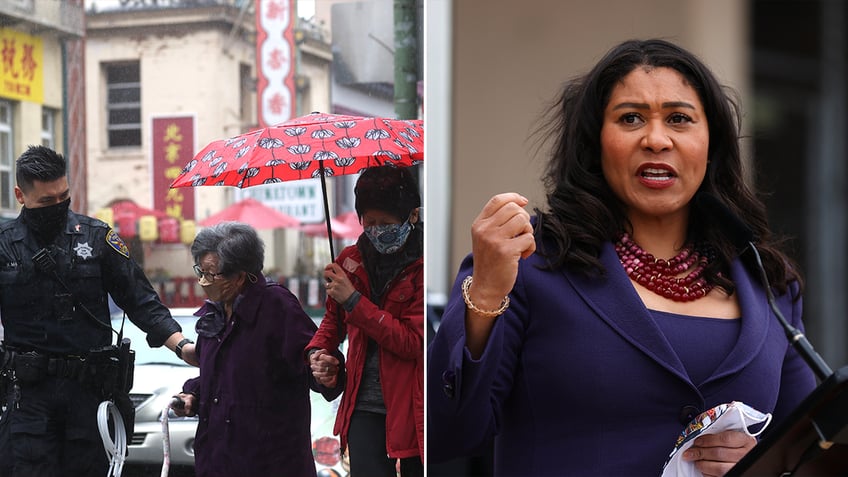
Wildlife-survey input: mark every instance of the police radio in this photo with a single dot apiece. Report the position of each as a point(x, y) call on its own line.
point(45, 263)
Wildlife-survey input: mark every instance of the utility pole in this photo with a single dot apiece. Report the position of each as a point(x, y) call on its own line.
point(406, 59)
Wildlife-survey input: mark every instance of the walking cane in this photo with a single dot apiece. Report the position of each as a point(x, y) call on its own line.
point(175, 403)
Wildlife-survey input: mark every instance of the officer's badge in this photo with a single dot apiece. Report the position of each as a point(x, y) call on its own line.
point(83, 250)
point(116, 243)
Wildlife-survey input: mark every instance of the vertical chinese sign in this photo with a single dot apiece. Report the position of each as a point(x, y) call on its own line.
point(173, 146)
point(21, 66)
point(276, 97)
point(275, 55)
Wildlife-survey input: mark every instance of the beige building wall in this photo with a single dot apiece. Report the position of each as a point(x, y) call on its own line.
point(185, 74)
point(189, 66)
point(314, 65)
point(510, 59)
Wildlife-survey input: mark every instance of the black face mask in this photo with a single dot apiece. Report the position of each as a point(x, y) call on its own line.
point(46, 222)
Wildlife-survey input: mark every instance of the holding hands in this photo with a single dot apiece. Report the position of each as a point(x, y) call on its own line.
point(325, 368)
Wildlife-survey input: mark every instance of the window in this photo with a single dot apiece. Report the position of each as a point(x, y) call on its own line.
point(123, 104)
point(800, 125)
point(246, 88)
point(48, 128)
point(7, 176)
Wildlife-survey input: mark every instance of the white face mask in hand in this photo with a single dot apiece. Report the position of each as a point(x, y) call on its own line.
point(736, 416)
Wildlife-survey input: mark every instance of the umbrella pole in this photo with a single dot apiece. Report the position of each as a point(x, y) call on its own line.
point(326, 210)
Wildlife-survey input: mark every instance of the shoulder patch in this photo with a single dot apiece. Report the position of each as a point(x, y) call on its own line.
point(116, 243)
point(350, 265)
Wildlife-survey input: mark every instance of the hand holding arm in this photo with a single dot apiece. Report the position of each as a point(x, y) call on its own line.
point(500, 236)
point(188, 353)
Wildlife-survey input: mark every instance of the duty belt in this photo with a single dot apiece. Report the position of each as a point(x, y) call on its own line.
point(70, 367)
point(32, 366)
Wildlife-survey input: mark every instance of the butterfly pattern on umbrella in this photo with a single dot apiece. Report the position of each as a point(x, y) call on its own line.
point(307, 148)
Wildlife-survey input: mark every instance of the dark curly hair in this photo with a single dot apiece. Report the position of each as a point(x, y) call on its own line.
point(583, 212)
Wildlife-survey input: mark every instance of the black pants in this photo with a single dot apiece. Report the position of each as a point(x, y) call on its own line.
point(366, 440)
point(52, 431)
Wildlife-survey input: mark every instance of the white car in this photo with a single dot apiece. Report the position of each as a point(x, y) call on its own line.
point(159, 375)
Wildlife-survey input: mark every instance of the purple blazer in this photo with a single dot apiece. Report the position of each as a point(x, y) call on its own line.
point(577, 378)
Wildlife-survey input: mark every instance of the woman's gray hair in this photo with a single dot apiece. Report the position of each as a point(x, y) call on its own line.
point(237, 245)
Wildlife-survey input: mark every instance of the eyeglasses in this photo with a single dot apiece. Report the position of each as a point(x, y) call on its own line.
point(210, 277)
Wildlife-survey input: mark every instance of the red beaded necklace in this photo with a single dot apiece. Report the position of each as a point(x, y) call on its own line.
point(662, 276)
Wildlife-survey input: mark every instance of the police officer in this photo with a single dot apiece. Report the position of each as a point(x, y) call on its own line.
point(56, 269)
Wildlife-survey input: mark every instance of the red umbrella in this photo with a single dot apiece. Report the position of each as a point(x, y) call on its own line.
point(313, 146)
point(254, 213)
point(127, 207)
point(342, 226)
point(350, 218)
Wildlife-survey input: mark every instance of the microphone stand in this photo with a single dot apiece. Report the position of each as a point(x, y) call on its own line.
point(796, 338)
point(813, 439)
point(819, 424)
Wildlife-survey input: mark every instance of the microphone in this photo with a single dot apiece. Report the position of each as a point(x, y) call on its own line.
point(743, 237)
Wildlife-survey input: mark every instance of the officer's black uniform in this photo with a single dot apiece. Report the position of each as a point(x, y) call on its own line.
point(50, 426)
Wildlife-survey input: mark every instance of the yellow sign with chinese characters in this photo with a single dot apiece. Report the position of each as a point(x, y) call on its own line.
point(21, 66)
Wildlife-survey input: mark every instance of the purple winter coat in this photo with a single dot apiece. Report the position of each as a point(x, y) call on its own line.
point(253, 388)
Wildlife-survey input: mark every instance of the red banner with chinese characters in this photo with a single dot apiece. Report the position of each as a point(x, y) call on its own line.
point(173, 147)
point(21, 66)
point(275, 61)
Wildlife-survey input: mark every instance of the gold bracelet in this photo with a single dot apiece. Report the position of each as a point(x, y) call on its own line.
point(466, 284)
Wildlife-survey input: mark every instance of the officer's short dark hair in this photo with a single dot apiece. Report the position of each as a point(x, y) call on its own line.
point(388, 188)
point(237, 245)
point(39, 163)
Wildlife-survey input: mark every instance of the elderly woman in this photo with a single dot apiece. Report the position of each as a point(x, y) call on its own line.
point(252, 395)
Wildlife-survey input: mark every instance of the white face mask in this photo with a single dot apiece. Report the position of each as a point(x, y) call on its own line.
point(736, 416)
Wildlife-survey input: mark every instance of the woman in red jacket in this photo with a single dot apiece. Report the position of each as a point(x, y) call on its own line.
point(375, 295)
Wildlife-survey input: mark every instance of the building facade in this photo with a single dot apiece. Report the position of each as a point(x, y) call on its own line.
point(183, 72)
point(41, 90)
